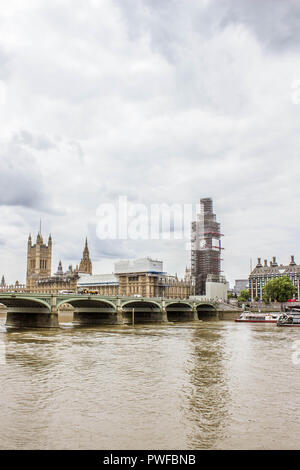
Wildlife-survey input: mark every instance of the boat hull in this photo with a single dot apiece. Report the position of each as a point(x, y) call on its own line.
point(255, 321)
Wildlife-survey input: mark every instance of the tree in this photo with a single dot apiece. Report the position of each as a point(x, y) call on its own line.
point(244, 295)
point(280, 289)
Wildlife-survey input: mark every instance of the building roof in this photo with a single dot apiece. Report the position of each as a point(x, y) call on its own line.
point(97, 280)
point(275, 269)
point(138, 265)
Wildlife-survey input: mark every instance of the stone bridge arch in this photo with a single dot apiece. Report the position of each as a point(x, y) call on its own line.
point(12, 301)
point(206, 310)
point(179, 311)
point(91, 310)
point(91, 301)
point(29, 312)
point(145, 311)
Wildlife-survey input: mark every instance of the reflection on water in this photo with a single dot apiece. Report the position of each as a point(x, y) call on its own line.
point(216, 384)
point(206, 408)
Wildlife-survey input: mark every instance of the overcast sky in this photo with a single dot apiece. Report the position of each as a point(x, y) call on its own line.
point(162, 101)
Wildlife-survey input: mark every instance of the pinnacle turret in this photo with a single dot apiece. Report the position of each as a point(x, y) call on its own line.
point(39, 239)
point(59, 268)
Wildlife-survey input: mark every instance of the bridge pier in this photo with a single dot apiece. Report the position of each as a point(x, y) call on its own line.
point(195, 313)
point(119, 313)
point(164, 315)
point(31, 318)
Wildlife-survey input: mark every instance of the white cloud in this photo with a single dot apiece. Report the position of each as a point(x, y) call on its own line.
point(157, 102)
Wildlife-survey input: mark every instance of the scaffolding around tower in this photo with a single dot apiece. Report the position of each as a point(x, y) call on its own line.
point(205, 247)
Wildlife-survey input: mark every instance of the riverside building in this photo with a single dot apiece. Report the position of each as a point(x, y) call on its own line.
point(262, 273)
point(139, 277)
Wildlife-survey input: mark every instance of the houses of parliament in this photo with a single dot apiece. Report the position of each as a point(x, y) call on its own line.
point(143, 276)
point(39, 261)
point(39, 266)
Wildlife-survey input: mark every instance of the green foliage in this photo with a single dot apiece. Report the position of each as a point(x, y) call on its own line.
point(280, 289)
point(244, 295)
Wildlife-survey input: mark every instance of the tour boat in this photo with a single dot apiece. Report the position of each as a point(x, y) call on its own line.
point(289, 318)
point(254, 317)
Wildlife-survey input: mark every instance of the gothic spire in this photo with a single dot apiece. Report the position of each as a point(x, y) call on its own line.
point(86, 253)
point(85, 263)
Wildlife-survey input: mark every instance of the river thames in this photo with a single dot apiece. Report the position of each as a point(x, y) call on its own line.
point(210, 385)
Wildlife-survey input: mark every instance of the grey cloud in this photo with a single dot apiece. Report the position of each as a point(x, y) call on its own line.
point(19, 187)
point(4, 65)
point(113, 249)
point(163, 104)
point(78, 149)
point(21, 181)
point(274, 22)
point(35, 141)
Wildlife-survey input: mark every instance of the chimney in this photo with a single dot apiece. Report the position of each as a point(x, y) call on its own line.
point(292, 262)
point(265, 263)
point(259, 262)
point(274, 263)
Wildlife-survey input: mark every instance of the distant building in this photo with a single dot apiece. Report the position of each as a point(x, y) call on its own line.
point(216, 288)
point(205, 247)
point(262, 273)
point(240, 284)
point(105, 284)
point(143, 277)
point(16, 287)
point(58, 282)
point(146, 277)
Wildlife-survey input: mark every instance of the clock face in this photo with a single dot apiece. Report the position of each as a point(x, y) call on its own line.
point(202, 244)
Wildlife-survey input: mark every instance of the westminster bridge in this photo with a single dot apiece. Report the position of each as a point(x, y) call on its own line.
point(41, 310)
